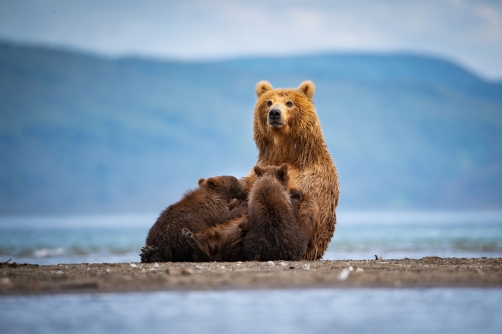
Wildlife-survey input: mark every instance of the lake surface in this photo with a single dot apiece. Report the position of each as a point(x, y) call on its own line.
point(263, 311)
point(359, 236)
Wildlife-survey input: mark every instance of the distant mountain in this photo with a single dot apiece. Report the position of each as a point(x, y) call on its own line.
point(81, 133)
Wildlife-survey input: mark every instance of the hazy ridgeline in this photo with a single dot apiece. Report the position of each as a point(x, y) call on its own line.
point(81, 133)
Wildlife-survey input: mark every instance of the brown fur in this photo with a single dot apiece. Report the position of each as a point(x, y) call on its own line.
point(296, 139)
point(223, 242)
point(273, 232)
point(206, 206)
point(220, 243)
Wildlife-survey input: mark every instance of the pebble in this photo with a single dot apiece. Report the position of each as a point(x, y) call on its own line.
point(156, 265)
point(187, 272)
point(134, 265)
point(284, 264)
point(170, 271)
point(344, 274)
point(359, 270)
point(306, 266)
point(5, 281)
point(270, 263)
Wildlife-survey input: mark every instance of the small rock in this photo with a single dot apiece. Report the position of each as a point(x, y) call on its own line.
point(306, 266)
point(186, 272)
point(350, 268)
point(156, 265)
point(222, 267)
point(359, 270)
point(270, 263)
point(133, 265)
point(59, 272)
point(171, 271)
point(107, 270)
point(344, 274)
point(291, 267)
point(5, 281)
point(284, 264)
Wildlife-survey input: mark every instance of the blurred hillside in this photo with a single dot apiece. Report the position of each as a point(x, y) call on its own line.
point(81, 133)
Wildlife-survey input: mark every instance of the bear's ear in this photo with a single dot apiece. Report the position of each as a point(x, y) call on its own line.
point(307, 88)
point(258, 171)
point(201, 181)
point(282, 173)
point(211, 182)
point(262, 87)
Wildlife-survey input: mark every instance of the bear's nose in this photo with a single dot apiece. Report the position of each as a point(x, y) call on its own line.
point(274, 114)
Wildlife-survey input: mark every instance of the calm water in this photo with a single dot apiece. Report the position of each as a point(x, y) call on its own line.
point(286, 311)
point(359, 236)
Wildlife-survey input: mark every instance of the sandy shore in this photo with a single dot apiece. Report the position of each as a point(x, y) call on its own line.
point(129, 277)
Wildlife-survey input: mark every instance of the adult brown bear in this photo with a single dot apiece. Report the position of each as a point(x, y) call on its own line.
point(287, 130)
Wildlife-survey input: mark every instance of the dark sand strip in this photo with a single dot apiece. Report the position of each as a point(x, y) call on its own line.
point(428, 272)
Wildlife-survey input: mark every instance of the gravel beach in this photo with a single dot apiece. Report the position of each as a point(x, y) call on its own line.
point(134, 277)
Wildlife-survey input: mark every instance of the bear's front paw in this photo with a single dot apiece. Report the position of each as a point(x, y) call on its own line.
point(150, 254)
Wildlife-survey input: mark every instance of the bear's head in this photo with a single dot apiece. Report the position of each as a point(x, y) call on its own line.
point(279, 173)
point(227, 186)
point(285, 124)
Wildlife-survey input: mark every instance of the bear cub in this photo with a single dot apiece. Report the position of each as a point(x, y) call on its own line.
point(208, 205)
point(273, 232)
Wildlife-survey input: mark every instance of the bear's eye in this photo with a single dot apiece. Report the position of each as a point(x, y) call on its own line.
point(289, 104)
point(269, 103)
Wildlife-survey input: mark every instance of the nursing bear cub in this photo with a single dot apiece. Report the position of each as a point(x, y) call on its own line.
point(269, 231)
point(215, 201)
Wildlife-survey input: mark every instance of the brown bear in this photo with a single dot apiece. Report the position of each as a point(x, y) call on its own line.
point(208, 205)
point(287, 130)
point(273, 232)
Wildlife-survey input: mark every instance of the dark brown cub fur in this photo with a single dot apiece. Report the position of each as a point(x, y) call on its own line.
point(220, 243)
point(273, 232)
point(199, 209)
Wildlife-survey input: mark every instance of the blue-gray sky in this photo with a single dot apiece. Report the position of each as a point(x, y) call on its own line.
point(468, 32)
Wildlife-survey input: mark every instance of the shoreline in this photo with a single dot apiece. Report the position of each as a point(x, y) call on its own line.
point(428, 272)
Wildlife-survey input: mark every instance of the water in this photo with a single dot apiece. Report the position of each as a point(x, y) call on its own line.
point(359, 235)
point(284, 311)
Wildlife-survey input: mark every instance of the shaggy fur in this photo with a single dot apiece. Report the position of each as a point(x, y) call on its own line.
point(208, 205)
point(294, 136)
point(273, 232)
point(220, 243)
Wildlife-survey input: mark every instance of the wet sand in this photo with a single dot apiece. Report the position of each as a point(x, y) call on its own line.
point(16, 279)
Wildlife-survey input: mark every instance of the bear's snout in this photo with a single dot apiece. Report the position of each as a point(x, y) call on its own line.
point(274, 114)
point(276, 117)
